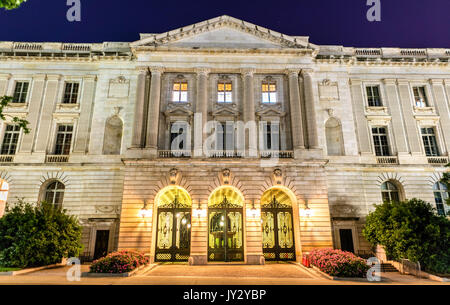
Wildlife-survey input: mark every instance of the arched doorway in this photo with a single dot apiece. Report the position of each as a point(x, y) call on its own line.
point(225, 225)
point(277, 226)
point(173, 228)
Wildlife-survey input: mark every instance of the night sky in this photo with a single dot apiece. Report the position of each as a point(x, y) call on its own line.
point(405, 23)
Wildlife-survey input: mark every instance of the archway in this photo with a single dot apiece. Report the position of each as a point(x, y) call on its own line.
point(225, 225)
point(277, 225)
point(173, 225)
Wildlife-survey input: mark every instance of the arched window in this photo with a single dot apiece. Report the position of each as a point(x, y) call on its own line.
point(333, 134)
point(4, 190)
point(440, 196)
point(54, 193)
point(113, 136)
point(390, 192)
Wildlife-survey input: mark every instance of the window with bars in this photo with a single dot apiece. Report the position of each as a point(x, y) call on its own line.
point(380, 141)
point(269, 92)
point(10, 139)
point(429, 141)
point(180, 92)
point(71, 93)
point(20, 92)
point(224, 92)
point(420, 97)
point(54, 193)
point(373, 96)
point(440, 197)
point(63, 139)
point(390, 192)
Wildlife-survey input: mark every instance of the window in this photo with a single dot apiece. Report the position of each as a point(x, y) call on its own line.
point(10, 139)
point(54, 193)
point(429, 141)
point(271, 135)
point(179, 136)
point(420, 97)
point(440, 197)
point(225, 136)
point(179, 92)
point(20, 92)
point(269, 92)
point(373, 96)
point(380, 141)
point(63, 139)
point(71, 93)
point(389, 192)
point(224, 92)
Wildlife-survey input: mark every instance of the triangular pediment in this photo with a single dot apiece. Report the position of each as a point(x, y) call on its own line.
point(223, 32)
point(225, 111)
point(270, 111)
point(177, 111)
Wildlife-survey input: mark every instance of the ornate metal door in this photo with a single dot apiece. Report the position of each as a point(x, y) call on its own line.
point(173, 236)
point(278, 231)
point(225, 242)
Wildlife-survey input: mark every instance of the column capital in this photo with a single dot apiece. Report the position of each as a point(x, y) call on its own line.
point(248, 72)
point(447, 82)
point(53, 77)
point(90, 78)
point(202, 71)
point(434, 81)
point(292, 72)
point(142, 69)
point(156, 70)
point(402, 81)
point(6, 76)
point(389, 81)
point(307, 71)
point(39, 77)
point(355, 81)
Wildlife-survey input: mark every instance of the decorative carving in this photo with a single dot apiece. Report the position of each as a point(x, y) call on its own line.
point(328, 91)
point(278, 175)
point(226, 174)
point(173, 174)
point(119, 87)
point(107, 209)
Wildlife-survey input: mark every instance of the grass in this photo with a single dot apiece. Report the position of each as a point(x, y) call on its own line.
point(7, 269)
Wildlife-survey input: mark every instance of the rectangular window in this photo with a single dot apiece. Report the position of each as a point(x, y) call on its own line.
point(269, 92)
point(179, 92)
point(20, 92)
point(63, 139)
point(224, 92)
point(271, 134)
point(420, 97)
point(225, 136)
point(380, 141)
point(373, 96)
point(179, 136)
point(429, 141)
point(10, 139)
point(71, 93)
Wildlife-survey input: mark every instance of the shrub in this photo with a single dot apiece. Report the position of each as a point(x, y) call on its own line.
point(338, 263)
point(40, 234)
point(411, 230)
point(119, 262)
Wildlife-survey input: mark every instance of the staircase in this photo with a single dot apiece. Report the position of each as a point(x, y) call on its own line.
point(385, 267)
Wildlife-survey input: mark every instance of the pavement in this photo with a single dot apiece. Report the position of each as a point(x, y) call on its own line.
point(211, 274)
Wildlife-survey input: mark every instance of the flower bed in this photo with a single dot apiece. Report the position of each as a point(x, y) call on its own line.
point(119, 262)
point(338, 263)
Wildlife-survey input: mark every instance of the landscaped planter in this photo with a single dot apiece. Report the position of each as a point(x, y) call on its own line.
point(119, 264)
point(141, 269)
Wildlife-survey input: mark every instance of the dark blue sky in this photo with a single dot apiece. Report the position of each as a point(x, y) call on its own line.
point(405, 23)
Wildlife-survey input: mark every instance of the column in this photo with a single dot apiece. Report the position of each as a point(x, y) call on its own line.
point(253, 235)
point(201, 108)
point(251, 135)
point(154, 109)
point(33, 115)
point(362, 129)
point(412, 130)
point(443, 110)
point(4, 80)
point(296, 111)
point(310, 102)
point(46, 119)
point(85, 121)
point(138, 124)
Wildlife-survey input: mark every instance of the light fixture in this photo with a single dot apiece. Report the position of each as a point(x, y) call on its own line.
point(199, 212)
point(306, 212)
point(253, 211)
point(145, 212)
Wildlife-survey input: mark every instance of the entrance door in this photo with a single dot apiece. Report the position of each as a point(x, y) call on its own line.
point(278, 231)
point(346, 237)
point(173, 240)
point(101, 243)
point(225, 242)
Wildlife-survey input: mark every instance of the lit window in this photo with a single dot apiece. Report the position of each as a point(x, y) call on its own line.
point(10, 140)
point(380, 141)
point(440, 197)
point(269, 92)
point(63, 139)
point(373, 96)
point(20, 92)
point(429, 141)
point(54, 193)
point(420, 97)
point(389, 192)
point(71, 93)
point(224, 92)
point(179, 92)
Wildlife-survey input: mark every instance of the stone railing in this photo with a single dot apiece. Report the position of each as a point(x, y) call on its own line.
point(387, 160)
point(6, 158)
point(225, 154)
point(57, 159)
point(174, 153)
point(438, 160)
point(282, 154)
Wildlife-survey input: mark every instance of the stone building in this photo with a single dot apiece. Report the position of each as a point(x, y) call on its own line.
point(303, 139)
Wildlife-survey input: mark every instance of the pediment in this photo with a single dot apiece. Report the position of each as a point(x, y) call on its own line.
point(178, 111)
point(223, 32)
point(225, 111)
point(270, 112)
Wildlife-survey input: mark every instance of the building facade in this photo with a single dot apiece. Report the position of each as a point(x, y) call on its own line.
point(223, 140)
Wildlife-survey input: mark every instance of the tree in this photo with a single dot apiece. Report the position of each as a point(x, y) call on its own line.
point(37, 235)
point(11, 4)
point(411, 230)
point(4, 101)
point(446, 181)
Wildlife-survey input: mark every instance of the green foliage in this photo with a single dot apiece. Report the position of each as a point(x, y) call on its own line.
point(411, 230)
point(40, 234)
point(11, 4)
point(340, 263)
point(4, 101)
point(119, 262)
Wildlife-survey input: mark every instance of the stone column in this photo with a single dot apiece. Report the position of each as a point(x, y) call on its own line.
point(153, 110)
point(442, 108)
point(298, 140)
point(201, 107)
point(4, 80)
point(138, 124)
point(362, 128)
point(85, 121)
point(310, 102)
point(251, 135)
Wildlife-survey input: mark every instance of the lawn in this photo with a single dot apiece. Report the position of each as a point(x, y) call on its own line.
point(7, 269)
